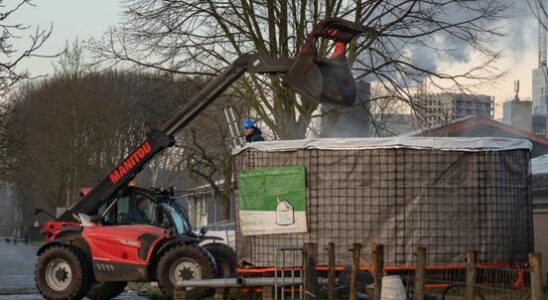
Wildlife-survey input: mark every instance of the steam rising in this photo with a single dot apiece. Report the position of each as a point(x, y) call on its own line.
point(519, 34)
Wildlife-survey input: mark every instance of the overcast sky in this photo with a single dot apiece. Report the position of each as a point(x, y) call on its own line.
point(83, 19)
point(71, 20)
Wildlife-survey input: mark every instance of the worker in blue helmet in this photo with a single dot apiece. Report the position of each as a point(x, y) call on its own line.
point(252, 133)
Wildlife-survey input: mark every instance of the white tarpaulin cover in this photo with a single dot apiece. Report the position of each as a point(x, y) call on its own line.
point(439, 143)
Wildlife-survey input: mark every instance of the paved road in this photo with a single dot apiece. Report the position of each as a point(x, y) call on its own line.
point(17, 272)
point(16, 267)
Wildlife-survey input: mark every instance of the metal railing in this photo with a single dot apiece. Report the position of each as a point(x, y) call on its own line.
point(288, 272)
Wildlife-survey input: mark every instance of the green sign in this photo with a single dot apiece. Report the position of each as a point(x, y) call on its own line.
point(272, 200)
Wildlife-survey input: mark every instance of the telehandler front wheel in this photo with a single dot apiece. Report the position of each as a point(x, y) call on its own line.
point(225, 257)
point(62, 272)
point(185, 262)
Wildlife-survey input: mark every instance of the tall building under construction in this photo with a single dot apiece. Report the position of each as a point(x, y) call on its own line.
point(539, 94)
point(443, 108)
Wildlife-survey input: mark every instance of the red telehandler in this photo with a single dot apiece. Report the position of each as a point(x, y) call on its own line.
point(118, 233)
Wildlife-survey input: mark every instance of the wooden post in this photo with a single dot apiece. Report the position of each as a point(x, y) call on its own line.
point(378, 272)
point(331, 273)
point(535, 267)
point(310, 277)
point(268, 293)
point(471, 275)
point(251, 293)
point(180, 293)
point(221, 294)
point(420, 273)
point(356, 250)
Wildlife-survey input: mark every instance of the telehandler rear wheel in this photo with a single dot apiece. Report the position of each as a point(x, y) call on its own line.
point(185, 262)
point(225, 257)
point(62, 272)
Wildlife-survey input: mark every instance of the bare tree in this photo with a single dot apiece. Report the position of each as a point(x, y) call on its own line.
point(11, 57)
point(10, 72)
point(8, 141)
point(200, 37)
point(208, 149)
point(390, 116)
point(77, 125)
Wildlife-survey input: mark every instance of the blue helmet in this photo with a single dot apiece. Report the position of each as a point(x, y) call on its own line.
point(248, 123)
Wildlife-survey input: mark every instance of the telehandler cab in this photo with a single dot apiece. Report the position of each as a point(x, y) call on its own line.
point(117, 233)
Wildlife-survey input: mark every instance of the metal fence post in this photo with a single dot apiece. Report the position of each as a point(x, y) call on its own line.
point(378, 272)
point(331, 273)
point(356, 250)
point(310, 277)
point(471, 275)
point(535, 266)
point(420, 273)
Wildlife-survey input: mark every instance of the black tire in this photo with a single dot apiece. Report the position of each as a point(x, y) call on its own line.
point(62, 272)
point(185, 262)
point(225, 257)
point(106, 290)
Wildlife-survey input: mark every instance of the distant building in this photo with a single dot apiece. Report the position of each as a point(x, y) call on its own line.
point(538, 125)
point(202, 206)
point(540, 91)
point(540, 112)
point(518, 114)
point(445, 107)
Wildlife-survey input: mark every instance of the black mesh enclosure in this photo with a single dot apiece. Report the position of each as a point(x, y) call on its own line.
point(447, 201)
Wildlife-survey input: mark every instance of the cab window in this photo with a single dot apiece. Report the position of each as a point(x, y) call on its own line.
point(131, 209)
